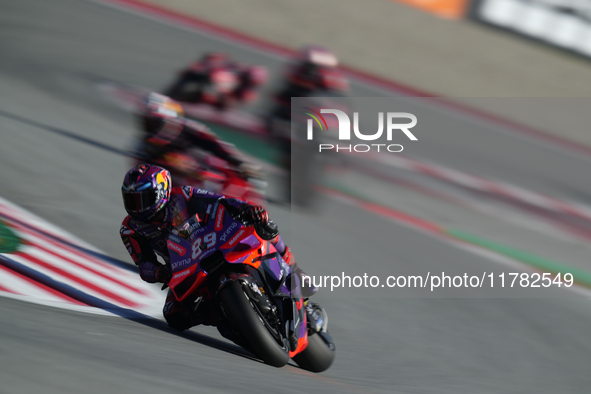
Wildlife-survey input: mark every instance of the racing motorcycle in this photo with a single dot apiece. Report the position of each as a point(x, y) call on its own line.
point(298, 154)
point(202, 170)
point(226, 265)
point(228, 181)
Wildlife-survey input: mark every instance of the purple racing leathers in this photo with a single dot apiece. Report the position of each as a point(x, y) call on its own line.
point(146, 241)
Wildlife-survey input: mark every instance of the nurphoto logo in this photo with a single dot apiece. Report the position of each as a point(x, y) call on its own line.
point(393, 124)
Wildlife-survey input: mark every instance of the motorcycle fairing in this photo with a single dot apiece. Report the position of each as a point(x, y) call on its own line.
point(238, 245)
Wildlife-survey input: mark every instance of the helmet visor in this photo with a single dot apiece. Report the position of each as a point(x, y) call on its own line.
point(138, 201)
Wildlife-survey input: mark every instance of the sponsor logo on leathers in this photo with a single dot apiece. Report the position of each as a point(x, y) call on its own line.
point(187, 191)
point(194, 225)
point(174, 239)
point(125, 230)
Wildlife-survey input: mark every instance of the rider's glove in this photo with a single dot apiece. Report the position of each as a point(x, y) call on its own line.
point(268, 231)
point(254, 214)
point(163, 274)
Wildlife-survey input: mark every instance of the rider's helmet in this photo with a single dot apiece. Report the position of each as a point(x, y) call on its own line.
point(317, 57)
point(146, 190)
point(314, 65)
point(156, 109)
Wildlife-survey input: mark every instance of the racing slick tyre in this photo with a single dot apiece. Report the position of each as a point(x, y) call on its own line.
point(251, 324)
point(318, 355)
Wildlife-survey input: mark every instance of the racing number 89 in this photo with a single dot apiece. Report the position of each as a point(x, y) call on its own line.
point(198, 248)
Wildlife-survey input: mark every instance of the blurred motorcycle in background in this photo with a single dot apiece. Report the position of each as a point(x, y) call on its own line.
point(315, 79)
point(192, 153)
point(217, 81)
point(215, 89)
point(314, 73)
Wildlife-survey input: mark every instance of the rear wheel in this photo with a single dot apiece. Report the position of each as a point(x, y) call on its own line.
point(318, 355)
point(253, 325)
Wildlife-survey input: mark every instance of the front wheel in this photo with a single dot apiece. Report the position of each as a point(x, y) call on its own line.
point(318, 355)
point(251, 324)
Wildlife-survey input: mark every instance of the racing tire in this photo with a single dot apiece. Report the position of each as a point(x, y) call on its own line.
point(239, 309)
point(317, 356)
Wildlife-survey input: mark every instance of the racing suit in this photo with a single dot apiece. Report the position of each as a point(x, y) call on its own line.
point(146, 241)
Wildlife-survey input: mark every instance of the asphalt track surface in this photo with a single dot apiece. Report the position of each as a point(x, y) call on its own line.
point(61, 158)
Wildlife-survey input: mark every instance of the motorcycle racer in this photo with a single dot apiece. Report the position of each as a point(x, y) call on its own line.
point(314, 72)
point(168, 138)
point(153, 205)
point(224, 83)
